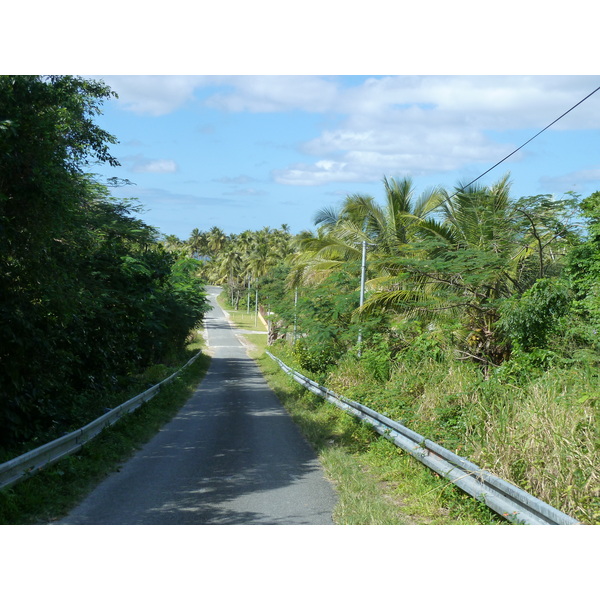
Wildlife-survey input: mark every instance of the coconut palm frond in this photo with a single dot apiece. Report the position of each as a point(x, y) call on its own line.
point(429, 202)
point(399, 193)
point(328, 216)
point(442, 231)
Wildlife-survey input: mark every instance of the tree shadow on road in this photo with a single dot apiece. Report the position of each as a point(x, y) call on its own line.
point(232, 455)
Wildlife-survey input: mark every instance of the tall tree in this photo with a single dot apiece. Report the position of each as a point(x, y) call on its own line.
point(484, 251)
point(86, 292)
point(47, 138)
point(387, 228)
point(197, 243)
point(216, 240)
point(583, 272)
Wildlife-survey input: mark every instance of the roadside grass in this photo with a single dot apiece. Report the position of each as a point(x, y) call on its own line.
point(242, 319)
point(376, 482)
point(538, 431)
point(51, 493)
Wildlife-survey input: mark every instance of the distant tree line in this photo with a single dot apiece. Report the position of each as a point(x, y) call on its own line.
point(236, 261)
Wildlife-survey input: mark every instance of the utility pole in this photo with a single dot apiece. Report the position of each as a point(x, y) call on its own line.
point(295, 315)
point(363, 271)
point(248, 288)
point(256, 312)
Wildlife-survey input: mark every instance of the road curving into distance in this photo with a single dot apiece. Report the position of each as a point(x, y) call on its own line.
point(231, 456)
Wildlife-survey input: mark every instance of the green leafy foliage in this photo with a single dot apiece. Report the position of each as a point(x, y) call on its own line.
point(529, 319)
point(484, 334)
point(88, 295)
point(324, 319)
point(377, 357)
point(485, 249)
point(583, 267)
point(328, 322)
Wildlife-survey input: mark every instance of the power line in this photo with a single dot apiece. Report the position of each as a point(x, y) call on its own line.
point(527, 142)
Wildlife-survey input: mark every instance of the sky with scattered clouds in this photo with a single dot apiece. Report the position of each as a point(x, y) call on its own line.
point(244, 115)
point(245, 152)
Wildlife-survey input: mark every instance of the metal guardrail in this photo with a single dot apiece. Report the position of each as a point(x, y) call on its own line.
point(33, 461)
point(506, 499)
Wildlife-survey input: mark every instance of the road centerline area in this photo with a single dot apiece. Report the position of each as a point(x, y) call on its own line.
point(232, 455)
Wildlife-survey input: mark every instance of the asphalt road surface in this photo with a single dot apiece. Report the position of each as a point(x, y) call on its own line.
point(232, 455)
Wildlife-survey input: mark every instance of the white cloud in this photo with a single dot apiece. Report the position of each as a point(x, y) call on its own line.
point(143, 165)
point(324, 171)
point(573, 181)
point(512, 102)
point(395, 124)
point(275, 94)
point(400, 149)
point(507, 101)
point(154, 95)
point(421, 125)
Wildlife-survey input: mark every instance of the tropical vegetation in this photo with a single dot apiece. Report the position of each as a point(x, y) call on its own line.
point(477, 325)
point(90, 297)
point(470, 315)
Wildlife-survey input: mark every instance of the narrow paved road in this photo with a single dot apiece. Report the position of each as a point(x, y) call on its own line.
point(231, 456)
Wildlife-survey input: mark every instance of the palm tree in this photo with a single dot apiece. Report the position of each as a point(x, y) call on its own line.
point(387, 228)
point(173, 244)
point(197, 243)
point(464, 265)
point(261, 259)
point(230, 269)
point(216, 240)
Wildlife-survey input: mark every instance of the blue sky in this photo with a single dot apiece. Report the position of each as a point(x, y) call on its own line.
point(245, 152)
point(264, 113)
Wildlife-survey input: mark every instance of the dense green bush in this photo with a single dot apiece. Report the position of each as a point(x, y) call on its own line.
point(88, 295)
point(530, 319)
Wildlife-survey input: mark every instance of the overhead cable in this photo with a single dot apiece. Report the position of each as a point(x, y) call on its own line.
point(527, 142)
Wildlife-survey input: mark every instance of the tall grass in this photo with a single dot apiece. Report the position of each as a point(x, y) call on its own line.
point(540, 432)
point(376, 482)
point(544, 438)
